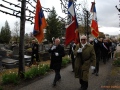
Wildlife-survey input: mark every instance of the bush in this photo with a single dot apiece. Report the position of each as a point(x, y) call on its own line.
point(116, 62)
point(31, 73)
point(65, 61)
point(10, 78)
point(1, 88)
point(36, 71)
point(117, 54)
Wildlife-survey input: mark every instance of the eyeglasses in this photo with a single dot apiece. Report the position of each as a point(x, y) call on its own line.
point(83, 39)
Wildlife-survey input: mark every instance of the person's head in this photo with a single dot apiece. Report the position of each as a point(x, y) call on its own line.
point(33, 41)
point(57, 41)
point(105, 40)
point(91, 41)
point(83, 39)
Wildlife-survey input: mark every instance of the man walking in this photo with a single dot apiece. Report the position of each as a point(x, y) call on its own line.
point(57, 52)
point(85, 57)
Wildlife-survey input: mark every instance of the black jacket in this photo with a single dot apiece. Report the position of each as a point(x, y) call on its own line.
point(35, 48)
point(56, 61)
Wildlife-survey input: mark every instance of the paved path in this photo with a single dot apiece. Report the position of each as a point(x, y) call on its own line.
point(68, 82)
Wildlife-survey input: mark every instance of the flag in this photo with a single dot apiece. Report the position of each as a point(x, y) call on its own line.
point(40, 23)
point(94, 24)
point(72, 24)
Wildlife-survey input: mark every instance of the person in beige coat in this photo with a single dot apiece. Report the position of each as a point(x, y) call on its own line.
point(85, 58)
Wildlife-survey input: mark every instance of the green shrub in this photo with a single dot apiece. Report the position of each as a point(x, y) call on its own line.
point(65, 61)
point(117, 54)
point(1, 88)
point(10, 78)
point(31, 73)
point(36, 71)
point(116, 62)
point(42, 69)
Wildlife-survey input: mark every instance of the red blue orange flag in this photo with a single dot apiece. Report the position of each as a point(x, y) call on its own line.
point(73, 25)
point(94, 24)
point(40, 23)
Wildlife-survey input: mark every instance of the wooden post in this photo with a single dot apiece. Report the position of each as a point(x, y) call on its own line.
point(21, 44)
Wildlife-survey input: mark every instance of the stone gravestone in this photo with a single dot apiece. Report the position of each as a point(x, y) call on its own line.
point(47, 46)
point(43, 53)
point(9, 63)
point(3, 54)
point(27, 58)
point(41, 48)
point(1, 67)
point(16, 50)
point(15, 54)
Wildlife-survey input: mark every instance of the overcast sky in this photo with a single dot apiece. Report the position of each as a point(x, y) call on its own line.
point(107, 14)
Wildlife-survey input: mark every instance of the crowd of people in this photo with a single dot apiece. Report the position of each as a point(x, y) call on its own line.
point(84, 55)
point(89, 54)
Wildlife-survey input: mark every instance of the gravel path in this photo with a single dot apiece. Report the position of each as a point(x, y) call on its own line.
point(69, 82)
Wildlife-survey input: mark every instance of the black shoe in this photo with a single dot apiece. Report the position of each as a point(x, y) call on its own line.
point(54, 83)
point(83, 89)
point(93, 72)
point(59, 78)
point(96, 74)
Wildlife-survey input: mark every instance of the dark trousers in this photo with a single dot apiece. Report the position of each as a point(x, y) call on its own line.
point(97, 63)
point(96, 68)
point(105, 57)
point(34, 56)
point(57, 75)
point(84, 84)
point(73, 62)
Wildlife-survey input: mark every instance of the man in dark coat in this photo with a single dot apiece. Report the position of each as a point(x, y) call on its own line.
point(105, 50)
point(97, 48)
point(83, 64)
point(57, 52)
point(71, 50)
point(35, 50)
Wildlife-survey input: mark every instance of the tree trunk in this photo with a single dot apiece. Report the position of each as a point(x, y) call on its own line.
point(21, 44)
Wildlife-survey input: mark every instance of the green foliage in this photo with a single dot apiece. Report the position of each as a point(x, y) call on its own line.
point(10, 78)
point(5, 34)
point(117, 54)
point(31, 73)
point(1, 88)
point(55, 27)
point(65, 61)
point(36, 71)
point(116, 62)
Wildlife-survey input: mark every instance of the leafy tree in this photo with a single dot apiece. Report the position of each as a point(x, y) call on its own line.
point(54, 26)
point(5, 34)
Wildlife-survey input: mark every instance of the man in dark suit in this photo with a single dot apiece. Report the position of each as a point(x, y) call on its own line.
point(57, 52)
point(71, 53)
point(35, 50)
point(97, 48)
point(105, 50)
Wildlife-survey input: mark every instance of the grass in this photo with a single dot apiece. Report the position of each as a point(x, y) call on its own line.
point(114, 76)
point(15, 70)
point(10, 75)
